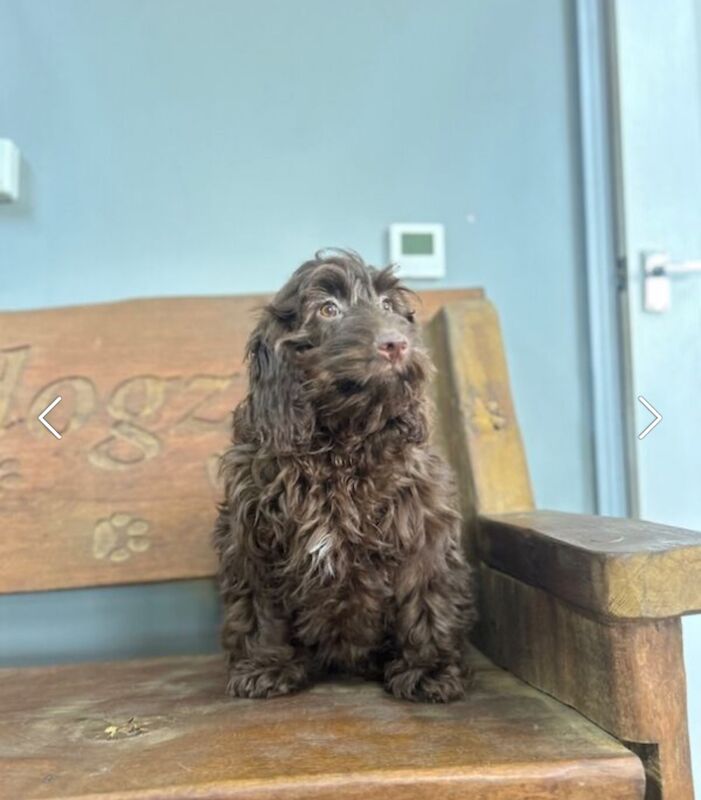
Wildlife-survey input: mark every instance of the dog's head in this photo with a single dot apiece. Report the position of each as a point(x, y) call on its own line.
point(338, 349)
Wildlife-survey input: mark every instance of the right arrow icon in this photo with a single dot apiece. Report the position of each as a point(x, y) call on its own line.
point(655, 413)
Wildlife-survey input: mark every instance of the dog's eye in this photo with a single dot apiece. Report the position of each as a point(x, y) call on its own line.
point(386, 304)
point(329, 310)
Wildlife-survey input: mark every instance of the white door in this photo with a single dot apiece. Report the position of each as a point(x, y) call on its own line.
point(656, 69)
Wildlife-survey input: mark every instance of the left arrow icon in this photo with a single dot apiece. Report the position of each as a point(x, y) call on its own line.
point(49, 427)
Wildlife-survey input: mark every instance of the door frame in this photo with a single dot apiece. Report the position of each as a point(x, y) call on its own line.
point(605, 264)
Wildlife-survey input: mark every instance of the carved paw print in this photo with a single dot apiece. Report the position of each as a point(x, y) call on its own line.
point(497, 419)
point(487, 416)
point(120, 535)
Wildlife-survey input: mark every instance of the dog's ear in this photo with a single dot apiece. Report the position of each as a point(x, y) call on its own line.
point(274, 412)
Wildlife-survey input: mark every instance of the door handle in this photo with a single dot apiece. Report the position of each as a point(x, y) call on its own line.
point(658, 268)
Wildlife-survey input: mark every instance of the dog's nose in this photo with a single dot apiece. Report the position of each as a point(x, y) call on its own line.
point(393, 346)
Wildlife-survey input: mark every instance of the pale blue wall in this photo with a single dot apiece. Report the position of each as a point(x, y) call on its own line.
point(177, 147)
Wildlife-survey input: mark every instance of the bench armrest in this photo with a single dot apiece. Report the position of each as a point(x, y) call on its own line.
point(617, 568)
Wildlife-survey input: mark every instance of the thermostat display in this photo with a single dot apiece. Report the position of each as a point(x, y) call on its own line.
point(417, 244)
point(418, 250)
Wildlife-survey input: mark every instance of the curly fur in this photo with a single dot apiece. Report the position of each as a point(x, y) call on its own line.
point(338, 539)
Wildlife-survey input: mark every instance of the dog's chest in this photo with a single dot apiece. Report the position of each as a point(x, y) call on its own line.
point(345, 591)
point(344, 558)
point(346, 543)
point(346, 550)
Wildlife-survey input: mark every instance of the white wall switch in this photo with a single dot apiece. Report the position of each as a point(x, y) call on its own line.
point(9, 171)
point(418, 250)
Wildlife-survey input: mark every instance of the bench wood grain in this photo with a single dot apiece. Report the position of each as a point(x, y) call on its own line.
point(619, 568)
point(627, 676)
point(163, 728)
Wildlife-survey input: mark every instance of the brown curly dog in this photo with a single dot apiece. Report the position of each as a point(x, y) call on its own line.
point(338, 540)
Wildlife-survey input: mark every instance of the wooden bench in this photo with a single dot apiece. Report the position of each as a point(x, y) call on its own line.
point(579, 689)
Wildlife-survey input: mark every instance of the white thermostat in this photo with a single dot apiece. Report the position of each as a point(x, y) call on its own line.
point(417, 249)
point(9, 171)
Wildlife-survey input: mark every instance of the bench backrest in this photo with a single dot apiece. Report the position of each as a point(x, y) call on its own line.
point(128, 494)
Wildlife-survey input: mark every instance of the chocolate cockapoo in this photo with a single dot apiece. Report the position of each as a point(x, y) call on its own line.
point(338, 539)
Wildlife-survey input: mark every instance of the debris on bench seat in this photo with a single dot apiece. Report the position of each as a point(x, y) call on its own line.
point(164, 728)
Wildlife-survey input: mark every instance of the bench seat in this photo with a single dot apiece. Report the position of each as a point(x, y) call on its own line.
point(163, 728)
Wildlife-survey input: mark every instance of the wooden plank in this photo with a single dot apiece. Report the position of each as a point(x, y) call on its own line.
point(128, 494)
point(476, 420)
point(164, 729)
point(619, 568)
point(626, 676)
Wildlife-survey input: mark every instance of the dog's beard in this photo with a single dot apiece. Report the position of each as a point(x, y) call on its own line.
point(354, 391)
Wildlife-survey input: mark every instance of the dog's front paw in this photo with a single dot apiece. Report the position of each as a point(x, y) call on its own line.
point(438, 684)
point(249, 679)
